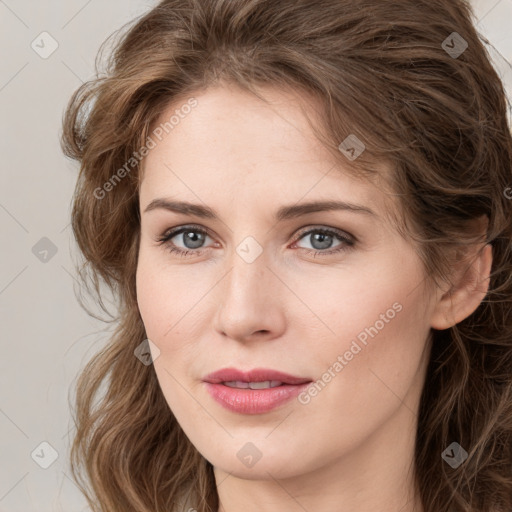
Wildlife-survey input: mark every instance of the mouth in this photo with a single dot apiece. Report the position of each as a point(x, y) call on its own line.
point(254, 392)
point(239, 384)
point(232, 376)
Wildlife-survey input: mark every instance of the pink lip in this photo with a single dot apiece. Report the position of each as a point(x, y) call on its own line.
point(253, 401)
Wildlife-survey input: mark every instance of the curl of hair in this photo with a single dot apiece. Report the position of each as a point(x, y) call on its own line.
point(379, 71)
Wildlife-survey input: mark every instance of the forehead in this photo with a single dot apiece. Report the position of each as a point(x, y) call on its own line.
point(232, 142)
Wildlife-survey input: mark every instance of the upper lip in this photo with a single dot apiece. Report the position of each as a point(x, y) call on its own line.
point(255, 375)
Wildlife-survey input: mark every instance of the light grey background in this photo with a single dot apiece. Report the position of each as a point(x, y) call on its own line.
point(46, 337)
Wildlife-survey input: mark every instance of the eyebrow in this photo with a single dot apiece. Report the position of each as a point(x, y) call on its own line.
point(284, 213)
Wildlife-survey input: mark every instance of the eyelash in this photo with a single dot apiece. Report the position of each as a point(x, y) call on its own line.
point(167, 236)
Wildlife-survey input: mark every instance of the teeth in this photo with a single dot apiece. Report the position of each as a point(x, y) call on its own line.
point(236, 384)
point(253, 385)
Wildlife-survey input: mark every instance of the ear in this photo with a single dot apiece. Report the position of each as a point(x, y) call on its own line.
point(467, 290)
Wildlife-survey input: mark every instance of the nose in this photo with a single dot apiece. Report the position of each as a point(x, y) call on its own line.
point(251, 301)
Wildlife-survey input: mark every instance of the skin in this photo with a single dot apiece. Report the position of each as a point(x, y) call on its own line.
point(351, 447)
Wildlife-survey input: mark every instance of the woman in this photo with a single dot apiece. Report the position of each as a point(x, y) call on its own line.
point(304, 210)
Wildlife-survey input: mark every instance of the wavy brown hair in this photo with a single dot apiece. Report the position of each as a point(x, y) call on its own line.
point(381, 72)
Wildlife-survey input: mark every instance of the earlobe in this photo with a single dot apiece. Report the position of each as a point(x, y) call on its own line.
point(466, 294)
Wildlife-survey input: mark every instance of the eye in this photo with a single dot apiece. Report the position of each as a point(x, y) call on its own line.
point(193, 237)
point(322, 239)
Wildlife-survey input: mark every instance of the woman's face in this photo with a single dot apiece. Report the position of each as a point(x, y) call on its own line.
point(251, 294)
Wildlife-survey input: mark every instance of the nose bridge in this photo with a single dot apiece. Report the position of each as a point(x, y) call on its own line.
point(247, 298)
point(248, 278)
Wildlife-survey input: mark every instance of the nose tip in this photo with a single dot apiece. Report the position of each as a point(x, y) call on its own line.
point(249, 306)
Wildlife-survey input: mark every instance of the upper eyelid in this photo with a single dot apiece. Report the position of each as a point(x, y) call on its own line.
point(172, 232)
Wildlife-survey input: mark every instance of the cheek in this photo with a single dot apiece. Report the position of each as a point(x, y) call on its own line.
point(372, 298)
point(169, 299)
point(154, 296)
point(161, 310)
point(376, 323)
point(390, 359)
point(148, 295)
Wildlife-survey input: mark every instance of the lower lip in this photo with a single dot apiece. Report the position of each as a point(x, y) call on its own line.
point(253, 401)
